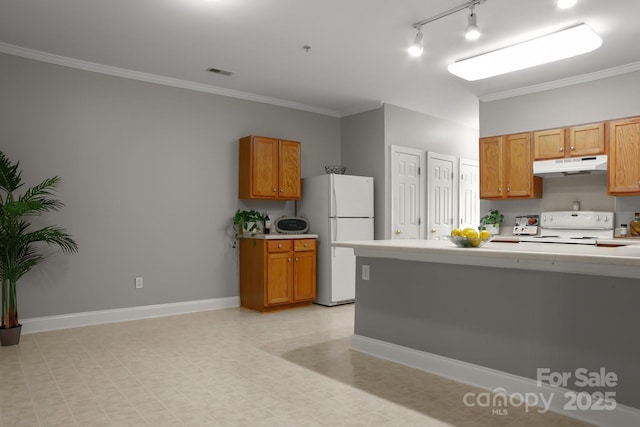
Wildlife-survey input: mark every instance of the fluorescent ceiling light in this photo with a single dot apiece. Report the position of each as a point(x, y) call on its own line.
point(552, 47)
point(566, 4)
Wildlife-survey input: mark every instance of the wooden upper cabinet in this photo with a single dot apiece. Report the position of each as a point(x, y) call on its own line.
point(506, 169)
point(289, 176)
point(269, 168)
point(624, 157)
point(518, 165)
point(586, 140)
point(548, 144)
point(491, 167)
point(575, 141)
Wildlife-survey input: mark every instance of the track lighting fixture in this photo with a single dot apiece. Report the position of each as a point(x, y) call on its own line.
point(416, 48)
point(473, 31)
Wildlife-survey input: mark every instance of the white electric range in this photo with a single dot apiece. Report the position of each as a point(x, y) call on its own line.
point(574, 227)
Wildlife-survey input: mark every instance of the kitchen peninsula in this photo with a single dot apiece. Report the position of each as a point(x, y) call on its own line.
point(493, 316)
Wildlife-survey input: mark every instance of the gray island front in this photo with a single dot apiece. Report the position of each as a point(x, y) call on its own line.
point(499, 316)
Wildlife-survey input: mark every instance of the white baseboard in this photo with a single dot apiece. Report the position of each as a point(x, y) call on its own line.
point(74, 320)
point(491, 379)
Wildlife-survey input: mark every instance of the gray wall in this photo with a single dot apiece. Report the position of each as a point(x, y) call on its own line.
point(362, 152)
point(514, 321)
point(149, 182)
point(605, 99)
point(366, 141)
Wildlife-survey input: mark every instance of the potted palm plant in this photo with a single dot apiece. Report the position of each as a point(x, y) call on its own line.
point(19, 241)
point(491, 221)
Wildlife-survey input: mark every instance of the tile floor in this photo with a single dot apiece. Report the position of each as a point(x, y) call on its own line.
point(229, 367)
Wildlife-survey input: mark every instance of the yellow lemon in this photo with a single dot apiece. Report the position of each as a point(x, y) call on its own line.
point(466, 231)
point(475, 243)
point(472, 234)
point(484, 235)
point(456, 232)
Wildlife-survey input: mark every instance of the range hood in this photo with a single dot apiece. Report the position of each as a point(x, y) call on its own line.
point(570, 166)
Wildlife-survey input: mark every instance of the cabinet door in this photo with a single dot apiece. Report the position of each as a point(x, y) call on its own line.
point(518, 165)
point(264, 173)
point(289, 166)
point(279, 278)
point(624, 157)
point(491, 168)
point(304, 276)
point(586, 140)
point(548, 144)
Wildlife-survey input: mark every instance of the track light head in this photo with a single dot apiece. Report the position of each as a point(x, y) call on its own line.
point(416, 48)
point(473, 31)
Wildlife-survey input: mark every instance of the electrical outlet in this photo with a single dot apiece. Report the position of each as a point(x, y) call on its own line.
point(365, 272)
point(139, 283)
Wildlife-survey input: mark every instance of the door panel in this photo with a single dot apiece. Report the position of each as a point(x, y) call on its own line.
point(441, 189)
point(279, 277)
point(469, 194)
point(265, 167)
point(406, 195)
point(519, 169)
point(343, 274)
point(352, 196)
point(289, 168)
point(304, 273)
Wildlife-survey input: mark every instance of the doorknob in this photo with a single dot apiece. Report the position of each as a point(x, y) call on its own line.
point(433, 230)
point(398, 231)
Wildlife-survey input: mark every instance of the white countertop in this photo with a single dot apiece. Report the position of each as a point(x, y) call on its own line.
point(610, 241)
point(622, 261)
point(280, 236)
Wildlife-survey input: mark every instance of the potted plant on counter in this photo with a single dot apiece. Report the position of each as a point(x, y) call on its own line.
point(19, 242)
point(491, 221)
point(246, 222)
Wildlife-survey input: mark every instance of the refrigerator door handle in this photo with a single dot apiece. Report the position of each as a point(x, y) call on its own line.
point(334, 202)
point(335, 236)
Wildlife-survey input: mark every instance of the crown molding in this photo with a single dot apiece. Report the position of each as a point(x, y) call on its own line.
point(556, 84)
point(157, 79)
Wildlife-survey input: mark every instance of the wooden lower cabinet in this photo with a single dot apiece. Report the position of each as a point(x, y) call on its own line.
point(277, 273)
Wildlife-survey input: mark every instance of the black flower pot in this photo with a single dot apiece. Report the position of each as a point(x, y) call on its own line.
point(10, 336)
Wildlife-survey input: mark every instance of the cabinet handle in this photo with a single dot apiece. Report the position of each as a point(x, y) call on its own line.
point(305, 245)
point(573, 148)
point(433, 230)
point(275, 190)
point(561, 149)
point(279, 245)
point(289, 259)
point(297, 259)
point(282, 190)
point(508, 188)
point(499, 189)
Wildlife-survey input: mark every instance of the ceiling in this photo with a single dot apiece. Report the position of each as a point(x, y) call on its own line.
point(357, 60)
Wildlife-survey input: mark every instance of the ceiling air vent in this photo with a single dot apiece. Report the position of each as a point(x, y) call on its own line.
point(219, 71)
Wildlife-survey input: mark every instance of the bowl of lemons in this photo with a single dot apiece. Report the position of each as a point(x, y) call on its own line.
point(469, 237)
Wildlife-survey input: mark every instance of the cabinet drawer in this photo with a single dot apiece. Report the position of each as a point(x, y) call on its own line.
point(304, 245)
point(279, 245)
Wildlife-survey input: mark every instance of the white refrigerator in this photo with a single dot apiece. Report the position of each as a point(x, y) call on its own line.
point(339, 208)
